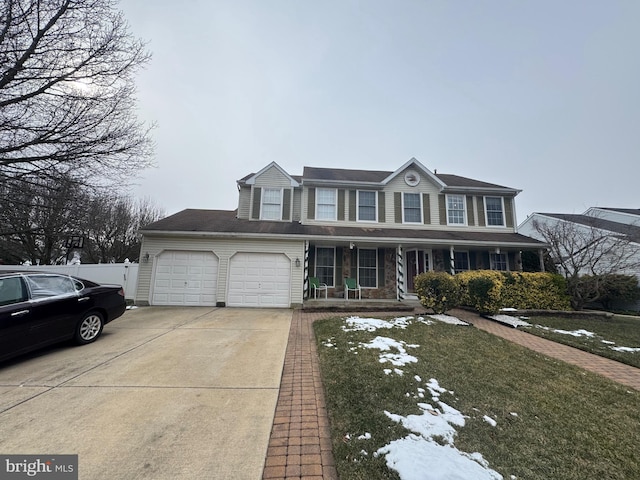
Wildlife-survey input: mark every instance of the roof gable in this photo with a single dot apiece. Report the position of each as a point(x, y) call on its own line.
point(251, 179)
point(413, 163)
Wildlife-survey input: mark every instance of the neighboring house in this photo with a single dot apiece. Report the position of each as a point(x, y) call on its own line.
point(379, 227)
point(596, 222)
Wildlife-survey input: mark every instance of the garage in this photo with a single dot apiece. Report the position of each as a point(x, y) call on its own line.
point(185, 278)
point(259, 280)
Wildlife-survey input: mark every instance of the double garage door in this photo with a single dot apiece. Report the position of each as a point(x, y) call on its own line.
point(190, 278)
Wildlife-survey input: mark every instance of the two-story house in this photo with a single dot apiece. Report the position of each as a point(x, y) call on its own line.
point(380, 228)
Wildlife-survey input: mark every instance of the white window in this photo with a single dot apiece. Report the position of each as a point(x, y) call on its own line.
point(498, 261)
point(326, 204)
point(460, 261)
point(412, 208)
point(495, 211)
point(271, 204)
point(367, 268)
point(367, 206)
point(326, 265)
point(456, 210)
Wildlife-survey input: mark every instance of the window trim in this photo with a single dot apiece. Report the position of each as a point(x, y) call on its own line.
point(262, 203)
point(459, 270)
point(492, 262)
point(376, 268)
point(335, 204)
point(421, 207)
point(375, 206)
point(333, 267)
point(486, 212)
point(464, 222)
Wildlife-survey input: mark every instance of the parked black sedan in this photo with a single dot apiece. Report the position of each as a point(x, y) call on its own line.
point(38, 309)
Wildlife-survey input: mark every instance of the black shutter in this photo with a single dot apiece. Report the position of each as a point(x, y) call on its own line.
point(255, 209)
point(443, 209)
point(381, 207)
point(311, 205)
point(341, 205)
point(352, 205)
point(426, 208)
point(470, 219)
point(397, 206)
point(286, 204)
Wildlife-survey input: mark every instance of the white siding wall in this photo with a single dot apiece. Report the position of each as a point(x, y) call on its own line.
point(224, 249)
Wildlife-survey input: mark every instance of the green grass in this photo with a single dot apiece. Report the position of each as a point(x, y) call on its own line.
point(570, 424)
point(624, 331)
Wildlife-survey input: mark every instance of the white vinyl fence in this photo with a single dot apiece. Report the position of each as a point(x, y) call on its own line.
point(124, 274)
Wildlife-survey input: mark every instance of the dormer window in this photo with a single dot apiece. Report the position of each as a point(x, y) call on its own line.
point(271, 204)
point(367, 206)
point(456, 210)
point(494, 211)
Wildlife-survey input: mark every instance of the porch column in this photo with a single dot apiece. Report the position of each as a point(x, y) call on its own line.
point(400, 283)
point(452, 259)
point(305, 273)
point(541, 257)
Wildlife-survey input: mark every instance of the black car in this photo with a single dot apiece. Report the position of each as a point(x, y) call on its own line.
point(38, 309)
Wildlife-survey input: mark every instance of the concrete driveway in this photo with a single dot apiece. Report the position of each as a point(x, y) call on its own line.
point(165, 393)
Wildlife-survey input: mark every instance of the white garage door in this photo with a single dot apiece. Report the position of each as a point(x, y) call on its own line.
point(185, 278)
point(259, 280)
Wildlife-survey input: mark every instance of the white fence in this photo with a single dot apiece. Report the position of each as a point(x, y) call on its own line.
point(125, 274)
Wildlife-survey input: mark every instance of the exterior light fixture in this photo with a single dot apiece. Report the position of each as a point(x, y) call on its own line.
point(297, 262)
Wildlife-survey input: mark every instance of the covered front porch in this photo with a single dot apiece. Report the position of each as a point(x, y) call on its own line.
point(385, 273)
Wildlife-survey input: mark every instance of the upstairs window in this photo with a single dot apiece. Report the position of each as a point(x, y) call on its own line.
point(495, 211)
point(412, 209)
point(326, 204)
point(326, 265)
point(271, 204)
point(367, 206)
point(456, 210)
point(367, 268)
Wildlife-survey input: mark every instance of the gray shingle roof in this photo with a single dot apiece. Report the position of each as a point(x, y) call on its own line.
point(631, 231)
point(224, 222)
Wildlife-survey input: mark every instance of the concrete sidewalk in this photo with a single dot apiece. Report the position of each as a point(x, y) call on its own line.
point(300, 443)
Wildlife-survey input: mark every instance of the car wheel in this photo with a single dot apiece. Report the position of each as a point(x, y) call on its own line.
point(89, 328)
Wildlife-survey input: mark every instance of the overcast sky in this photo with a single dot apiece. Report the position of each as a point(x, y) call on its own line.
point(537, 95)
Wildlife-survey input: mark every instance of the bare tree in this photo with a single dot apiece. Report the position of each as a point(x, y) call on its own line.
point(67, 93)
point(37, 216)
point(586, 254)
point(111, 227)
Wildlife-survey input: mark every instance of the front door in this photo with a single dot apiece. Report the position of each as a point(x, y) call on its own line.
point(417, 261)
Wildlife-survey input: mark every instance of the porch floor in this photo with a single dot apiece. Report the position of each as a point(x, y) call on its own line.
point(364, 305)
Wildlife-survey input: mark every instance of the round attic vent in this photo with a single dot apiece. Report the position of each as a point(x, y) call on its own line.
point(411, 178)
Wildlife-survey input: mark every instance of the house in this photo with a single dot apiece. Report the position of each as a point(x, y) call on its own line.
point(596, 224)
point(380, 228)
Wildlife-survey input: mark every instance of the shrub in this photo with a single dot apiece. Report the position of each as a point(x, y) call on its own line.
point(488, 290)
point(438, 291)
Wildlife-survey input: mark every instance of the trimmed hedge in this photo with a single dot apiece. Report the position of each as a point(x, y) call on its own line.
point(487, 291)
point(438, 291)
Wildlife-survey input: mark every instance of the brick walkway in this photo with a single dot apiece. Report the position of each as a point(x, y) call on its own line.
point(300, 443)
point(619, 372)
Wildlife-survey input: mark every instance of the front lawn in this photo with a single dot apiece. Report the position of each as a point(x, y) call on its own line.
point(617, 337)
point(428, 398)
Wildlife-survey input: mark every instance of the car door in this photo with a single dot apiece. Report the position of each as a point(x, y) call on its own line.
point(56, 308)
point(16, 317)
